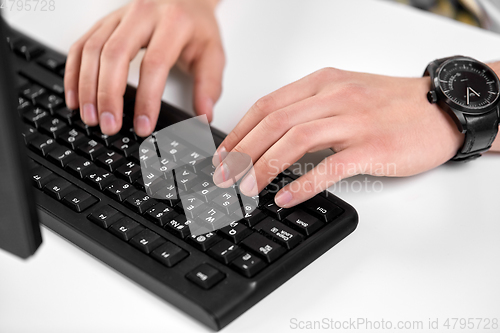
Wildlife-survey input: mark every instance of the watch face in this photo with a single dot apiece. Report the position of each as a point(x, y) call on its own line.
point(469, 84)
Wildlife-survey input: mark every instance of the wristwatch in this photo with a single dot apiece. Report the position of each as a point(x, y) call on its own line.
point(468, 91)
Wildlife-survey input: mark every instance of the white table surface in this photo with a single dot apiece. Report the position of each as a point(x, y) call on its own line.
point(426, 246)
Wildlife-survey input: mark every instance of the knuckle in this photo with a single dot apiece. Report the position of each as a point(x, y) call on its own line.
point(176, 12)
point(328, 73)
point(92, 45)
point(154, 61)
point(276, 121)
point(113, 49)
point(264, 105)
point(299, 136)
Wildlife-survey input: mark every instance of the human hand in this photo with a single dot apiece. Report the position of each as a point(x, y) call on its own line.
point(185, 31)
point(368, 120)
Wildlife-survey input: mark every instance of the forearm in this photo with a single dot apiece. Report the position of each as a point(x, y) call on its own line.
point(496, 144)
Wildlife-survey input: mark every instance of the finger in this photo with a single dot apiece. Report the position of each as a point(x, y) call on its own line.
point(304, 88)
point(303, 138)
point(332, 169)
point(275, 125)
point(72, 69)
point(122, 46)
point(155, 67)
point(89, 71)
point(208, 79)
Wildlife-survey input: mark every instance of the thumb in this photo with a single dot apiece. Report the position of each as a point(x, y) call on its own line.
point(208, 79)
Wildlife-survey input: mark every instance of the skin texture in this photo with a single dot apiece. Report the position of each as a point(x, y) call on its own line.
point(182, 31)
point(378, 125)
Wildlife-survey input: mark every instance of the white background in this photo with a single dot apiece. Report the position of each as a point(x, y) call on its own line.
point(426, 246)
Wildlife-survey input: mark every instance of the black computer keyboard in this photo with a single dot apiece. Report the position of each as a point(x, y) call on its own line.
point(91, 191)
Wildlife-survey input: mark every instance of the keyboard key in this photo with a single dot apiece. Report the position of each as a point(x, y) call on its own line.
point(41, 176)
point(185, 178)
point(126, 228)
point(61, 156)
point(91, 149)
point(225, 251)
point(51, 61)
point(169, 194)
point(120, 190)
point(105, 216)
point(147, 241)
point(45, 78)
point(282, 234)
point(110, 160)
point(66, 114)
point(303, 222)
point(104, 138)
point(265, 196)
point(125, 145)
point(53, 127)
point(100, 178)
point(248, 264)
point(254, 217)
point(42, 144)
point(278, 212)
point(35, 116)
point(58, 188)
point(205, 241)
point(29, 133)
point(173, 149)
point(322, 208)
point(22, 104)
point(179, 226)
point(160, 214)
point(129, 172)
point(140, 202)
point(49, 102)
point(235, 231)
point(210, 219)
point(193, 206)
point(228, 202)
point(72, 138)
point(169, 254)
point(80, 167)
point(206, 276)
point(79, 200)
point(32, 91)
point(82, 127)
point(26, 49)
point(207, 190)
point(264, 247)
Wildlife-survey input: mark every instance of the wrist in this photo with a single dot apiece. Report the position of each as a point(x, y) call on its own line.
point(495, 66)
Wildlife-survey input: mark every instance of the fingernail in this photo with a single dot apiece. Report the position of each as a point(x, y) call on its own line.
point(107, 122)
point(90, 114)
point(70, 99)
point(283, 198)
point(219, 156)
point(221, 174)
point(247, 185)
point(142, 125)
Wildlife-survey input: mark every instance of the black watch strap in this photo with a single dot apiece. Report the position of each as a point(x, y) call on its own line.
point(481, 131)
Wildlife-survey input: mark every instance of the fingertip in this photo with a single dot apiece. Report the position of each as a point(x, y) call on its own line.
point(205, 106)
point(89, 114)
point(108, 123)
point(142, 126)
point(71, 101)
point(284, 198)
